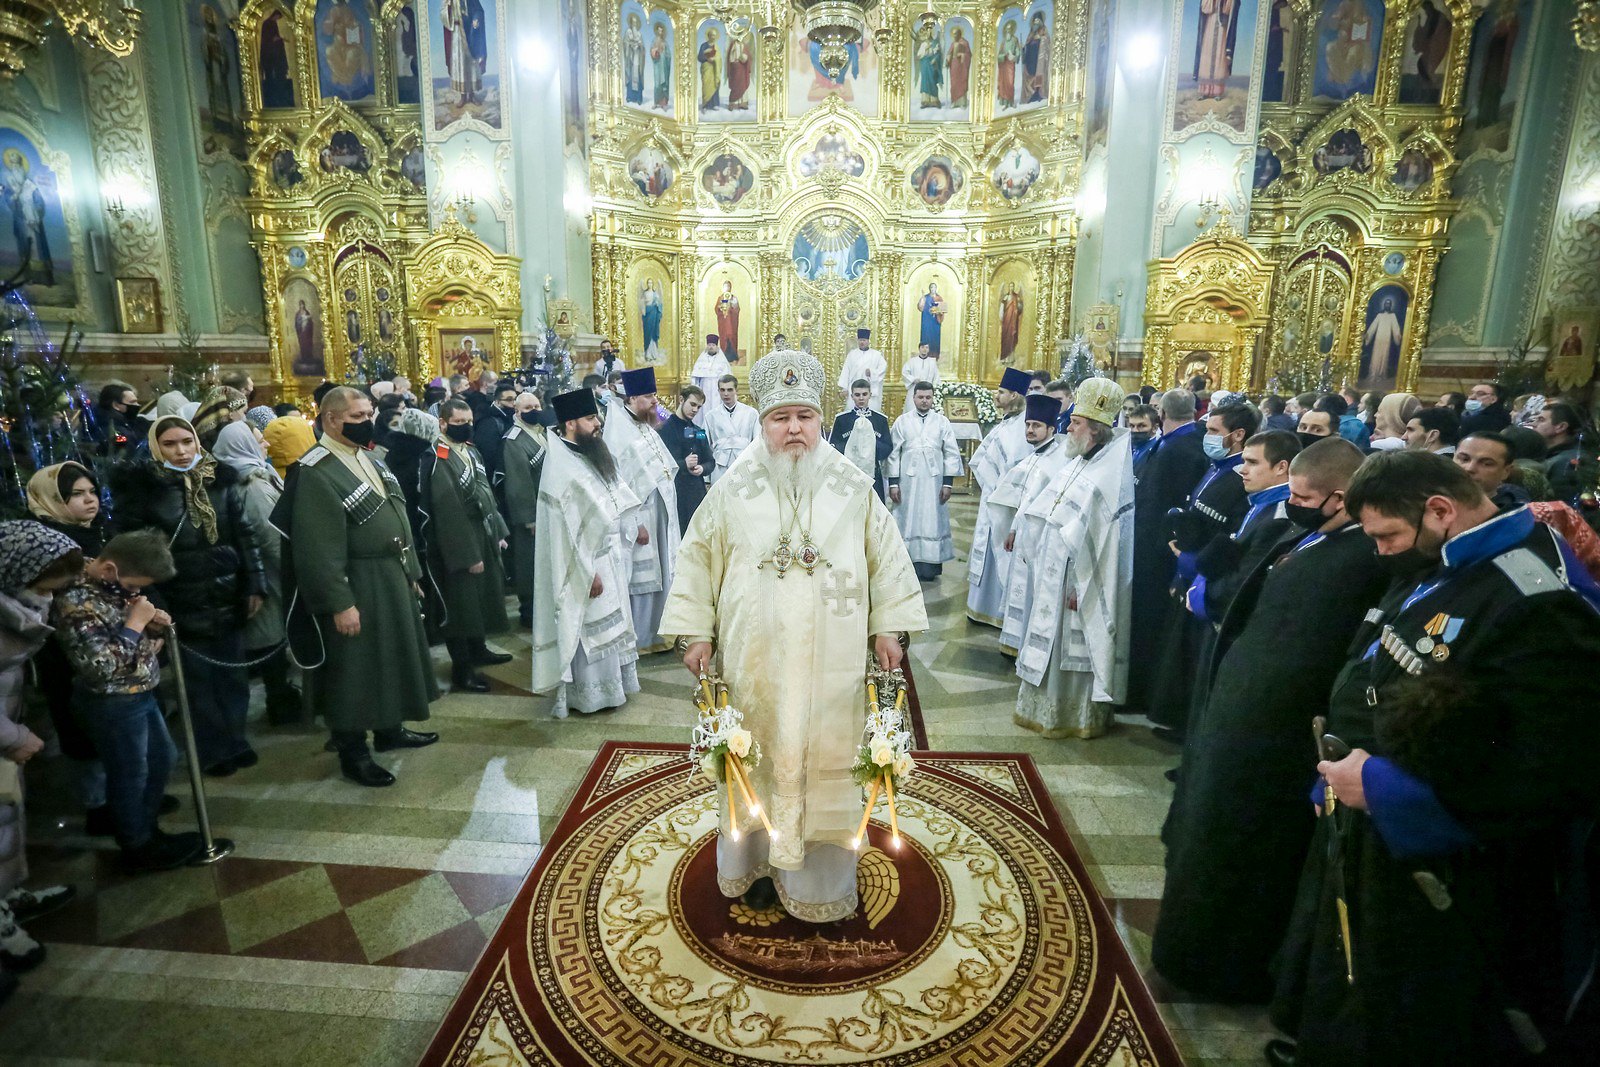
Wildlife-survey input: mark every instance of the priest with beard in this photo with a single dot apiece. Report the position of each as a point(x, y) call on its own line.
point(988, 564)
point(1011, 509)
point(791, 577)
point(583, 644)
point(650, 471)
point(924, 462)
point(1237, 831)
point(1073, 655)
point(862, 434)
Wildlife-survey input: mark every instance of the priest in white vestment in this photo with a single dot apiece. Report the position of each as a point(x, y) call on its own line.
point(583, 643)
point(1014, 511)
point(1073, 659)
point(988, 564)
point(865, 362)
point(649, 471)
point(730, 424)
point(790, 574)
point(922, 367)
point(709, 368)
point(923, 463)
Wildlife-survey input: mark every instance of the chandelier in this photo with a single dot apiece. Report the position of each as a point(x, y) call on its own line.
point(1586, 25)
point(109, 24)
point(835, 25)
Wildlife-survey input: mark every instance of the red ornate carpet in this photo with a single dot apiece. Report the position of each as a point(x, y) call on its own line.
point(980, 942)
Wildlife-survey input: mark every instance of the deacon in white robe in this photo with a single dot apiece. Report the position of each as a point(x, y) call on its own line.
point(730, 424)
point(790, 574)
point(922, 367)
point(1005, 446)
point(1014, 510)
point(925, 459)
point(649, 471)
point(865, 362)
point(709, 368)
point(583, 643)
point(1073, 659)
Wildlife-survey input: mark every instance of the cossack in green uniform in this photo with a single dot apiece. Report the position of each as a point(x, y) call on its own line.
point(521, 462)
point(464, 530)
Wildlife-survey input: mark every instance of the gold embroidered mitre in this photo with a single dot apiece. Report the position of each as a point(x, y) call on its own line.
point(781, 379)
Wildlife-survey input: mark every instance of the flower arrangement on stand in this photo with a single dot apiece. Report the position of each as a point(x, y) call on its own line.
point(982, 399)
point(883, 762)
point(723, 750)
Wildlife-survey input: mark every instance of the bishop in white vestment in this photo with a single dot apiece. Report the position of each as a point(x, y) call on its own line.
point(1015, 512)
point(865, 362)
point(790, 573)
point(1006, 445)
point(583, 644)
point(709, 368)
point(1073, 658)
point(731, 425)
point(649, 470)
point(923, 462)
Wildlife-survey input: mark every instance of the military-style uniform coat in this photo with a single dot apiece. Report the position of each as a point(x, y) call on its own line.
point(1473, 692)
point(350, 546)
point(682, 440)
point(464, 529)
point(521, 461)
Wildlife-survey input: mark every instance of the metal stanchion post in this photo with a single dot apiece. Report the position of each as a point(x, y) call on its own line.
point(213, 848)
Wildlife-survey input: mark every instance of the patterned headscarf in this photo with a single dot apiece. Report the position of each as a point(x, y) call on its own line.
point(26, 549)
point(216, 411)
point(49, 488)
point(259, 416)
point(414, 422)
point(196, 501)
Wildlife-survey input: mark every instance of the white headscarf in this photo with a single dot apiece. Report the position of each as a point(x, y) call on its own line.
point(237, 447)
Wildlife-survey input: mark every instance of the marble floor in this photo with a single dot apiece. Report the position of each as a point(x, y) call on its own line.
point(342, 926)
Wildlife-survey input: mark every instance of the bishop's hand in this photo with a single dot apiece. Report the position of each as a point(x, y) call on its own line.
point(698, 658)
point(886, 648)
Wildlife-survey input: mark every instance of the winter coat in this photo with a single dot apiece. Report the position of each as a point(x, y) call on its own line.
point(23, 631)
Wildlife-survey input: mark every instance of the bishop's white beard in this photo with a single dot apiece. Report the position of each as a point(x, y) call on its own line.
point(793, 471)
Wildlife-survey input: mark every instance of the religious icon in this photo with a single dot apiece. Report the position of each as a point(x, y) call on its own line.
point(727, 309)
point(1348, 36)
point(286, 173)
point(302, 337)
point(296, 256)
point(344, 49)
point(1220, 35)
point(1022, 60)
point(414, 169)
point(1380, 343)
point(647, 57)
point(1036, 57)
point(932, 308)
point(1006, 59)
point(936, 180)
point(467, 351)
point(1427, 46)
point(1394, 263)
point(727, 179)
point(830, 246)
point(1277, 72)
point(40, 250)
point(832, 151)
point(274, 50)
point(1016, 172)
point(352, 326)
point(217, 58)
point(633, 59)
point(1097, 107)
point(344, 151)
point(1494, 77)
point(407, 83)
point(1572, 340)
point(385, 324)
point(650, 172)
point(651, 309)
point(1344, 150)
point(465, 82)
point(1269, 168)
point(725, 65)
point(1011, 308)
point(139, 305)
point(941, 70)
point(1412, 170)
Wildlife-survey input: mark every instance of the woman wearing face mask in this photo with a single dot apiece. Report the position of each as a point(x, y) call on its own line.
point(199, 505)
point(34, 563)
point(239, 446)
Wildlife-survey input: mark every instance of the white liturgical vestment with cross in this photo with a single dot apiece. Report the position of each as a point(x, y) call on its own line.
point(793, 644)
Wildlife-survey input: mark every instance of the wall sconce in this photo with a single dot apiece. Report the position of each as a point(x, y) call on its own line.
point(121, 195)
point(468, 182)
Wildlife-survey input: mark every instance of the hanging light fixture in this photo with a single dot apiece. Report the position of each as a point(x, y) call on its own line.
point(109, 24)
point(1586, 25)
point(834, 25)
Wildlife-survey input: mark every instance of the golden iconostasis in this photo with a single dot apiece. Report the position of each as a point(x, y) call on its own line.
point(924, 193)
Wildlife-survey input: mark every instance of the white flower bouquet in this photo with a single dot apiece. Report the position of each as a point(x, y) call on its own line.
point(723, 750)
point(883, 762)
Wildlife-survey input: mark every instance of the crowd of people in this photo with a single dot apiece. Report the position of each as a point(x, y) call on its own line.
point(1402, 880)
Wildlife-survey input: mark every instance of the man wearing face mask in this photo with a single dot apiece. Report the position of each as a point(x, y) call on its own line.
point(1143, 423)
point(1237, 831)
point(1485, 409)
point(1214, 509)
point(493, 423)
point(1432, 933)
point(521, 462)
point(1316, 426)
point(350, 577)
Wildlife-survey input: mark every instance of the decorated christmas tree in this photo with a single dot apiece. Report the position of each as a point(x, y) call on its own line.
point(1077, 361)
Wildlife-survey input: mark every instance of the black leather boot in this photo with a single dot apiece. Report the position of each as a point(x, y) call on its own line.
point(388, 740)
point(356, 762)
point(464, 676)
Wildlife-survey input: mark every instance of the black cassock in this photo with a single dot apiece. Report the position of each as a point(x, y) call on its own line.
point(840, 437)
point(1237, 831)
point(1165, 481)
point(1216, 508)
point(684, 439)
point(1456, 888)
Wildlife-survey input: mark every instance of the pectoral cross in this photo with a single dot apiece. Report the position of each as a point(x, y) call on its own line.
point(840, 591)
